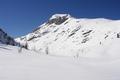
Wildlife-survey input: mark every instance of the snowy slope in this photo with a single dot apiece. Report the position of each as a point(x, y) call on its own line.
point(67, 36)
point(6, 39)
point(29, 65)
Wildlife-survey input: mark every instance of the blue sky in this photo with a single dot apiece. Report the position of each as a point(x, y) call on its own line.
point(19, 17)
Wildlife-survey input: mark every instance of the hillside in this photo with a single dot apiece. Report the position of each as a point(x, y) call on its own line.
point(6, 39)
point(64, 35)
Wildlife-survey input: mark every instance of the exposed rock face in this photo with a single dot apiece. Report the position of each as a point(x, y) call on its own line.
point(58, 19)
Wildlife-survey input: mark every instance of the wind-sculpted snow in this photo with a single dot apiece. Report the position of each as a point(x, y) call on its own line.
point(64, 35)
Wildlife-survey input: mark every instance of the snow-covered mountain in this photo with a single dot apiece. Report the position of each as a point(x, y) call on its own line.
point(6, 39)
point(65, 35)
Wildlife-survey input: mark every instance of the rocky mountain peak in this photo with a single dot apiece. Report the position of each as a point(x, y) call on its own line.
point(58, 19)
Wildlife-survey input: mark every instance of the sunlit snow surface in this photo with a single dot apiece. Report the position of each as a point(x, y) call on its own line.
point(29, 65)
